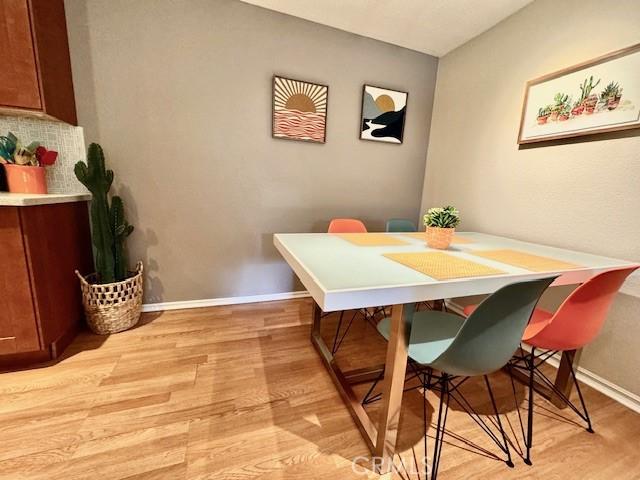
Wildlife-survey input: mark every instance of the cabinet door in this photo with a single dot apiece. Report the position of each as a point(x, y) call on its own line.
point(57, 241)
point(18, 327)
point(18, 76)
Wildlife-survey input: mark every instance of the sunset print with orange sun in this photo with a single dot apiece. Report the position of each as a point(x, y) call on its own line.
point(299, 110)
point(383, 114)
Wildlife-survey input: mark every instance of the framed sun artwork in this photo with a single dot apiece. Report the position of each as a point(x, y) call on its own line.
point(299, 110)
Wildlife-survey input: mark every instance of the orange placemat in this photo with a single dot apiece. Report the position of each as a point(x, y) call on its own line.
point(371, 239)
point(442, 266)
point(528, 261)
point(421, 236)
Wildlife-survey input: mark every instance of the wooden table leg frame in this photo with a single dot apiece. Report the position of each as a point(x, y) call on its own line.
point(380, 436)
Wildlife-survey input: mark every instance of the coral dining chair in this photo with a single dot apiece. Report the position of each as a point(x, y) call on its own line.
point(575, 324)
point(346, 225)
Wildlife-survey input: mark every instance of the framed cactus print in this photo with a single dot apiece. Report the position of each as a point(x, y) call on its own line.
point(299, 110)
point(600, 95)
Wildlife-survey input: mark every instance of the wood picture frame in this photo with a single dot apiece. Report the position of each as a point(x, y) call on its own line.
point(577, 108)
point(299, 110)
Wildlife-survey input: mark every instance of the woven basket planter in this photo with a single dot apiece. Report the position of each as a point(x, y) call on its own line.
point(112, 307)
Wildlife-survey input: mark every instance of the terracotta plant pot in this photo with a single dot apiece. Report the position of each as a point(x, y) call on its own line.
point(24, 179)
point(439, 237)
point(563, 118)
point(543, 120)
point(577, 110)
point(590, 104)
point(613, 103)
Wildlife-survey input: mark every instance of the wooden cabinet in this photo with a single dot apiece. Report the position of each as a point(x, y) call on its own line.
point(35, 77)
point(18, 328)
point(40, 307)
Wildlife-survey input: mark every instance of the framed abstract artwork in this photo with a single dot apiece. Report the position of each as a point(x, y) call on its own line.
point(299, 110)
point(600, 95)
point(383, 114)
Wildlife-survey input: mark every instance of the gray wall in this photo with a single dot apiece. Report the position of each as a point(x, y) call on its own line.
point(179, 95)
point(580, 194)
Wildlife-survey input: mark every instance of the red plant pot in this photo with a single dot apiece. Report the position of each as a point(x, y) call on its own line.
point(613, 103)
point(577, 111)
point(543, 120)
point(24, 179)
point(563, 118)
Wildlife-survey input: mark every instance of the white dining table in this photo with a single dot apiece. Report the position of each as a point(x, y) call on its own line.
point(341, 275)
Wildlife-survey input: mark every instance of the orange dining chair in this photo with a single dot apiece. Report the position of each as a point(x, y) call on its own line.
point(346, 225)
point(575, 324)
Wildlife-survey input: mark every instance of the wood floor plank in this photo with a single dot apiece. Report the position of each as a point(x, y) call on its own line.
point(238, 393)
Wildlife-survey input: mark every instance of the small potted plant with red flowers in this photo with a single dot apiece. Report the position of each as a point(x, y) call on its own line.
point(25, 165)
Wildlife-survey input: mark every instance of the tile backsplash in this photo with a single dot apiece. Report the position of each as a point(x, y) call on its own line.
point(65, 139)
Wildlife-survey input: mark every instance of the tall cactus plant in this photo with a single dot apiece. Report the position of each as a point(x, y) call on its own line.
point(109, 227)
point(121, 230)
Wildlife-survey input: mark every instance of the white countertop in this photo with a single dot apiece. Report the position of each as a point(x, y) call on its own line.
point(30, 199)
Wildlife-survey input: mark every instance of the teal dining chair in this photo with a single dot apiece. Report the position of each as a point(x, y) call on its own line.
point(460, 348)
point(397, 225)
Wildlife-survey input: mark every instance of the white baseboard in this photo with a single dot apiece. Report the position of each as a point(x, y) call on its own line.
point(216, 302)
point(604, 386)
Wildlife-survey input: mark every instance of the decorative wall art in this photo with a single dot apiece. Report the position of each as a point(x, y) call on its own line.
point(299, 110)
point(600, 95)
point(383, 114)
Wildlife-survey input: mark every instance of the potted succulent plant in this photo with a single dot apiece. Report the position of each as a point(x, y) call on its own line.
point(25, 165)
point(112, 296)
point(578, 108)
point(441, 223)
point(559, 102)
point(588, 100)
point(565, 113)
point(543, 114)
point(611, 96)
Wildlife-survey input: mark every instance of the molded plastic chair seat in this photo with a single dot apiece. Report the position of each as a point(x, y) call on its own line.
point(457, 347)
point(539, 320)
point(400, 225)
point(346, 225)
point(432, 332)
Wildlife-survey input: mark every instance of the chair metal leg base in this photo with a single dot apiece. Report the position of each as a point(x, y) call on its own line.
point(535, 379)
point(449, 392)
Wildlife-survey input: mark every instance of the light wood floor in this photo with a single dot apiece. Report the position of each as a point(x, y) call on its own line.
point(239, 393)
